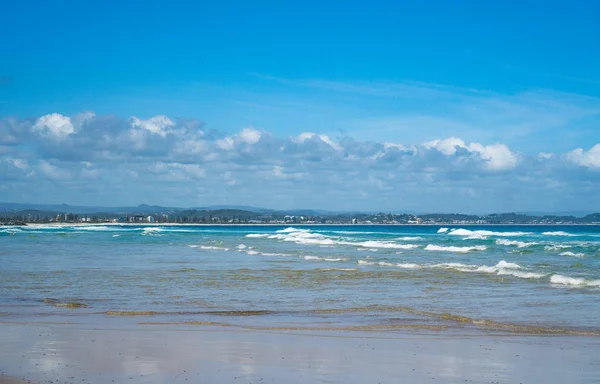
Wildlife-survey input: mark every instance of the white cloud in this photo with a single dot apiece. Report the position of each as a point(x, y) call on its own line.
point(310, 169)
point(158, 125)
point(226, 144)
point(250, 135)
point(54, 125)
point(496, 156)
point(590, 159)
point(446, 146)
point(305, 136)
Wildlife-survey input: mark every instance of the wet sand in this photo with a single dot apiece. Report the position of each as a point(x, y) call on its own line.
point(171, 354)
point(10, 380)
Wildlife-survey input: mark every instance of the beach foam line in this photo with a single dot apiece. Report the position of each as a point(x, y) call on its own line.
point(574, 281)
point(518, 244)
point(447, 321)
point(432, 247)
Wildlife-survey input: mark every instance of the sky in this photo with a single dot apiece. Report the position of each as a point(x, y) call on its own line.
point(429, 106)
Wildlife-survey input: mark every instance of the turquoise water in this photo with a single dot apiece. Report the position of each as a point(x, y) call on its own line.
point(484, 278)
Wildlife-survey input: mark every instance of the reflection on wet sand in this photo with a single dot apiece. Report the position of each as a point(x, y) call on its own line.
point(180, 353)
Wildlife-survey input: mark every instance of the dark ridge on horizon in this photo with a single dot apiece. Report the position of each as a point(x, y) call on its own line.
point(147, 208)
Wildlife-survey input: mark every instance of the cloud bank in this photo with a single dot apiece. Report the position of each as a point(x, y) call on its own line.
point(108, 160)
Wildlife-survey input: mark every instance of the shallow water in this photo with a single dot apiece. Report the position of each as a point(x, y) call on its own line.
point(534, 279)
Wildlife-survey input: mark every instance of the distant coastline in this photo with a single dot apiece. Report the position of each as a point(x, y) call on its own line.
point(283, 225)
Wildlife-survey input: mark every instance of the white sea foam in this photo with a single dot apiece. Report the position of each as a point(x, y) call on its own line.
point(502, 268)
point(385, 244)
point(323, 258)
point(10, 230)
point(409, 238)
point(360, 233)
point(572, 254)
point(307, 237)
point(191, 245)
point(522, 275)
point(558, 233)
point(432, 247)
point(556, 247)
point(213, 248)
point(443, 230)
point(574, 281)
point(274, 254)
point(408, 265)
point(519, 244)
point(242, 246)
point(116, 235)
point(251, 252)
point(292, 230)
point(476, 236)
point(257, 235)
point(468, 233)
point(95, 228)
point(152, 231)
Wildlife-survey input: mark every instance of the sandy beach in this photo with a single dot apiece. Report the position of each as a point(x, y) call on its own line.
point(171, 354)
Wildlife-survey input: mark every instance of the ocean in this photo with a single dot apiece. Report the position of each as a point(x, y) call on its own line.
point(469, 279)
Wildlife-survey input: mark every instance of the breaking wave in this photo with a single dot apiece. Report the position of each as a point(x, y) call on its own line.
point(558, 233)
point(556, 247)
point(257, 235)
point(572, 254)
point(213, 248)
point(574, 281)
point(324, 258)
point(502, 268)
point(518, 244)
point(479, 233)
point(432, 247)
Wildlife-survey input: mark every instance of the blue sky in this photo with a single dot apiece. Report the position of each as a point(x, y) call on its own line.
point(423, 105)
